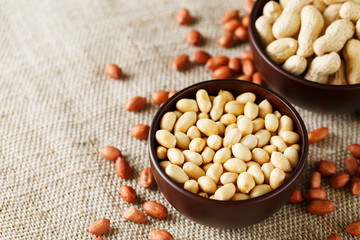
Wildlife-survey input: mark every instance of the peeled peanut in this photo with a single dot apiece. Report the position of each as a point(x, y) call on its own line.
point(258, 124)
point(187, 105)
point(240, 196)
point(246, 97)
point(168, 121)
point(192, 186)
point(277, 177)
point(185, 121)
point(235, 165)
point(225, 192)
point(228, 177)
point(267, 168)
point(260, 156)
point(203, 100)
point(250, 141)
point(259, 190)
point(193, 171)
point(280, 161)
point(292, 155)
point(279, 143)
point(245, 125)
point(270, 148)
point(164, 164)
point(252, 163)
point(206, 166)
point(241, 151)
point(207, 155)
point(203, 115)
point(194, 157)
point(290, 137)
point(203, 194)
point(193, 132)
point(296, 147)
point(207, 126)
point(176, 173)
point(263, 136)
point(264, 108)
point(271, 122)
point(207, 184)
point(228, 119)
point(175, 156)
point(161, 152)
point(218, 107)
point(228, 95)
point(182, 140)
point(256, 173)
point(214, 142)
point(245, 182)
point(222, 155)
point(251, 110)
point(165, 138)
point(229, 128)
point(234, 107)
point(215, 171)
point(232, 137)
point(285, 124)
point(221, 128)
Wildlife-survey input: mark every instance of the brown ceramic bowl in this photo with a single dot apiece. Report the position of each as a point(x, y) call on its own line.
point(228, 213)
point(304, 93)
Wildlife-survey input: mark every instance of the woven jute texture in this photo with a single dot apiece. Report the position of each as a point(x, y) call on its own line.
point(58, 109)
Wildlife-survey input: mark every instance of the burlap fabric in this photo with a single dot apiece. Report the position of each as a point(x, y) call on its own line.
point(58, 109)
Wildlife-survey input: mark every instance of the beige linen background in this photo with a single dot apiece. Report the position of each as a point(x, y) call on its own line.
point(58, 109)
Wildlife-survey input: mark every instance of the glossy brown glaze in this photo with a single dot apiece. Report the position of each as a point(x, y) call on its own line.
point(229, 213)
point(307, 94)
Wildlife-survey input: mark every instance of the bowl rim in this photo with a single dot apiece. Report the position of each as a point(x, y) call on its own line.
point(257, 44)
point(156, 163)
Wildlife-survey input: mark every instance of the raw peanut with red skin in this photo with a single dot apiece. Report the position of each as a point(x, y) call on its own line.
point(110, 153)
point(135, 104)
point(241, 34)
point(334, 236)
point(172, 93)
point(140, 131)
point(194, 38)
point(159, 97)
point(339, 180)
point(201, 56)
point(113, 71)
point(122, 168)
point(320, 207)
point(315, 180)
point(231, 25)
point(351, 165)
point(98, 238)
point(296, 197)
point(245, 21)
point(248, 67)
point(128, 194)
point(147, 179)
point(247, 6)
point(155, 209)
point(226, 40)
point(231, 14)
point(314, 193)
point(158, 234)
point(135, 215)
point(247, 55)
point(244, 78)
point(318, 135)
point(354, 228)
point(355, 150)
point(326, 168)
point(257, 78)
point(183, 17)
point(180, 62)
point(235, 65)
point(222, 72)
point(355, 185)
point(100, 226)
point(215, 62)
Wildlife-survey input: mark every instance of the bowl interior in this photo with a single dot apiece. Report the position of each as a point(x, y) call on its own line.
point(236, 87)
point(257, 44)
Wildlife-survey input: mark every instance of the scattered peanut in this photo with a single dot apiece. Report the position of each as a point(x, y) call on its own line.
point(113, 71)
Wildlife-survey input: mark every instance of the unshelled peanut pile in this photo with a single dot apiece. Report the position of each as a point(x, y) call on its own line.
point(317, 38)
